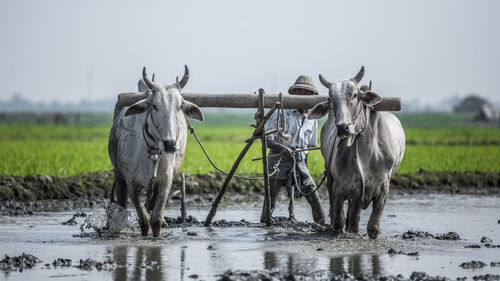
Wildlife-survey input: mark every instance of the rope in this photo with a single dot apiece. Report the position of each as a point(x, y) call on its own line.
point(297, 183)
point(191, 129)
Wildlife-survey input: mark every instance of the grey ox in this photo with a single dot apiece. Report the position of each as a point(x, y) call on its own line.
point(362, 149)
point(146, 147)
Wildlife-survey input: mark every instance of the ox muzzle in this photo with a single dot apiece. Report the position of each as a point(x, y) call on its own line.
point(169, 145)
point(343, 130)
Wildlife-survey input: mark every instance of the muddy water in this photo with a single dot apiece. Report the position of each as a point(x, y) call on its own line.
point(187, 253)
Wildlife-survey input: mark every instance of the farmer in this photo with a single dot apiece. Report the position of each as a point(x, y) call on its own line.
point(299, 133)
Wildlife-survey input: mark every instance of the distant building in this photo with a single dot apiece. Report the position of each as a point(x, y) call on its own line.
point(471, 104)
point(487, 113)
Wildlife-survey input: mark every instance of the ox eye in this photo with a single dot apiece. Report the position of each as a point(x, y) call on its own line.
point(354, 96)
point(155, 108)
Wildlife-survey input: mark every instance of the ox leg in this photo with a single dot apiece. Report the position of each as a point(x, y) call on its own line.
point(347, 218)
point(152, 195)
point(353, 215)
point(142, 214)
point(157, 213)
point(374, 221)
point(120, 189)
point(329, 185)
point(338, 215)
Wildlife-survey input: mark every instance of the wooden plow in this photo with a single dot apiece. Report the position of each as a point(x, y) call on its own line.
point(259, 101)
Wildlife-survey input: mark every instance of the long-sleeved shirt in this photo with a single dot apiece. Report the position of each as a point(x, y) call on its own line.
point(304, 133)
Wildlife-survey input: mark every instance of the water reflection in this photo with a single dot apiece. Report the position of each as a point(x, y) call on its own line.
point(270, 260)
point(144, 264)
point(290, 263)
point(356, 265)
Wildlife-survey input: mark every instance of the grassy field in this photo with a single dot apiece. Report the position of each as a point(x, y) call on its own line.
point(64, 150)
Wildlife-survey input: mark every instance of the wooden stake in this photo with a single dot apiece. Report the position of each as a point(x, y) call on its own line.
point(263, 140)
point(183, 198)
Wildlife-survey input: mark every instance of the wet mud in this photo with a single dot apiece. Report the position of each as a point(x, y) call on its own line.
point(420, 233)
point(257, 275)
point(18, 263)
point(412, 234)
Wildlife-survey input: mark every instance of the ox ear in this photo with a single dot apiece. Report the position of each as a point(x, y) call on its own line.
point(142, 87)
point(319, 110)
point(370, 98)
point(192, 110)
point(137, 108)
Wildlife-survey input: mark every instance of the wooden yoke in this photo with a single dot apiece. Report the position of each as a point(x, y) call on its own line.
point(252, 100)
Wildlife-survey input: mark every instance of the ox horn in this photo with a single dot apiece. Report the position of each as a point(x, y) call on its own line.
point(185, 78)
point(153, 77)
point(325, 82)
point(360, 75)
point(146, 79)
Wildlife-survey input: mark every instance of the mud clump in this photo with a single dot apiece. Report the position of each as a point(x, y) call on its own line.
point(486, 240)
point(90, 264)
point(413, 234)
point(320, 275)
point(473, 246)
point(230, 275)
point(177, 222)
point(396, 252)
point(224, 223)
point(20, 262)
point(473, 264)
point(495, 263)
point(448, 236)
point(486, 277)
point(62, 262)
point(192, 221)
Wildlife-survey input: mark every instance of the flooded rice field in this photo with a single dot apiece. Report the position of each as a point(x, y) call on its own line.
point(415, 237)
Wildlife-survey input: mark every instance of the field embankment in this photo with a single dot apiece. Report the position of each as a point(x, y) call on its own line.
point(98, 185)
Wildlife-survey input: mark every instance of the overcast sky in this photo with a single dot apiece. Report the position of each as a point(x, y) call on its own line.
point(73, 50)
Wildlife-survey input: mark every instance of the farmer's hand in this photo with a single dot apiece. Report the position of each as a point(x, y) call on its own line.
point(286, 152)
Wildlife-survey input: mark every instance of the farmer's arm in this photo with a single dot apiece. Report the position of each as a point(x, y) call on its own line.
point(272, 142)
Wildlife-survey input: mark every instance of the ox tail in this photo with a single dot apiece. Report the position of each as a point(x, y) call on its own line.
point(163, 184)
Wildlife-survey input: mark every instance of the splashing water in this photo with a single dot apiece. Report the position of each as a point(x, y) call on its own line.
point(118, 218)
point(109, 218)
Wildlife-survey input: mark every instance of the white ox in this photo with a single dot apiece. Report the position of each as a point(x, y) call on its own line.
point(146, 147)
point(362, 149)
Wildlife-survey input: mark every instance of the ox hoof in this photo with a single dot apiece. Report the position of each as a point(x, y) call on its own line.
point(156, 227)
point(352, 230)
point(337, 232)
point(373, 233)
point(145, 230)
